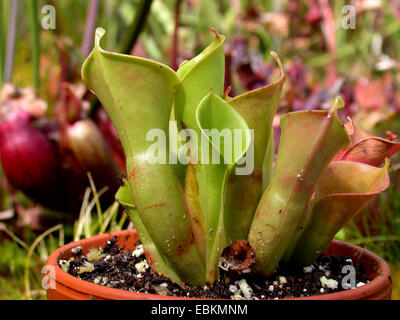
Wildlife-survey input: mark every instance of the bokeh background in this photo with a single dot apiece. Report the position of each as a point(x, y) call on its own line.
point(61, 158)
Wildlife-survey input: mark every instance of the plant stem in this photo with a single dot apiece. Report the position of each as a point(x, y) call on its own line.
point(91, 21)
point(136, 27)
point(10, 49)
point(129, 41)
point(2, 27)
point(34, 23)
point(5, 13)
point(175, 43)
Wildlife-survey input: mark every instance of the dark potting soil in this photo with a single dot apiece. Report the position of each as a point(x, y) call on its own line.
point(112, 267)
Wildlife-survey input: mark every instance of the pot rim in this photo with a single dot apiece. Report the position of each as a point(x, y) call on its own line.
point(381, 280)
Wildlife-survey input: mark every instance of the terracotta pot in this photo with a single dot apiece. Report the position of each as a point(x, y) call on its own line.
point(68, 287)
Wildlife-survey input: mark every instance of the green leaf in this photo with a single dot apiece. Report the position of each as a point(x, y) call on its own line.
point(343, 190)
point(195, 213)
point(138, 95)
point(198, 76)
point(257, 108)
point(154, 257)
point(309, 141)
point(214, 113)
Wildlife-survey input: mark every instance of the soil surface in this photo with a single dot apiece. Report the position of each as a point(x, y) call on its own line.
point(112, 267)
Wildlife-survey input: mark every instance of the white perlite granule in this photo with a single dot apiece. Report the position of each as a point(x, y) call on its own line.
point(308, 269)
point(76, 250)
point(237, 297)
point(64, 264)
point(138, 251)
point(245, 288)
point(271, 288)
point(141, 266)
point(233, 288)
point(282, 280)
point(330, 283)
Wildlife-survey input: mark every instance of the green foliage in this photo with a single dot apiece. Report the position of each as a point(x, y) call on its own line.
point(12, 259)
point(186, 227)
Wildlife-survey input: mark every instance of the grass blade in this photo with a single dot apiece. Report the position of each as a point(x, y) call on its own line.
point(10, 46)
point(34, 25)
